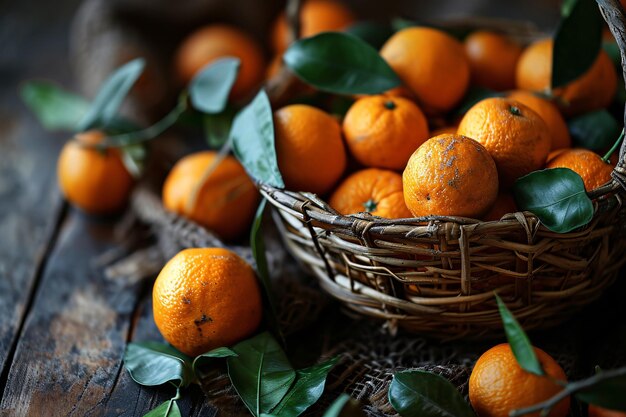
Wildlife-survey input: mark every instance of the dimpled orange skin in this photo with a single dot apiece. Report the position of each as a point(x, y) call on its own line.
point(550, 114)
point(450, 175)
point(309, 147)
point(515, 136)
point(595, 411)
point(589, 165)
point(505, 204)
point(593, 90)
point(316, 16)
point(225, 203)
point(206, 298)
point(498, 384)
point(383, 131)
point(94, 180)
point(493, 59)
point(430, 63)
point(213, 42)
point(377, 191)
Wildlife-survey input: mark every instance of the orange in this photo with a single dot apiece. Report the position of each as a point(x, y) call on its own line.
point(376, 191)
point(504, 204)
point(595, 411)
point(492, 59)
point(224, 202)
point(498, 384)
point(430, 63)
point(383, 131)
point(92, 179)
point(515, 136)
point(206, 298)
point(442, 130)
point(316, 16)
point(593, 90)
point(549, 113)
point(213, 42)
point(589, 165)
point(309, 147)
point(450, 175)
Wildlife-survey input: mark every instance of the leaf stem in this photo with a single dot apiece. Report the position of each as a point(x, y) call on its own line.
point(606, 157)
point(571, 388)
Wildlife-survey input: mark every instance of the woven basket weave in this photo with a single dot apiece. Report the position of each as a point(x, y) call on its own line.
point(438, 275)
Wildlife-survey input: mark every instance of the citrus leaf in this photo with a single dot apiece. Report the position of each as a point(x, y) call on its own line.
point(55, 108)
point(577, 41)
point(340, 63)
point(252, 134)
point(373, 33)
point(134, 158)
point(217, 127)
point(210, 88)
point(307, 389)
point(556, 196)
point(165, 410)
point(424, 394)
point(152, 363)
point(474, 95)
point(608, 393)
point(260, 373)
point(596, 130)
point(344, 406)
point(518, 340)
point(112, 93)
point(220, 352)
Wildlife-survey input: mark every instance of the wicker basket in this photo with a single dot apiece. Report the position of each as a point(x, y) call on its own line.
point(438, 275)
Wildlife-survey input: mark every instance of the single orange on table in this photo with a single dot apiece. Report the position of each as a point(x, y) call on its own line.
point(316, 16)
point(550, 114)
point(432, 64)
point(309, 147)
point(218, 195)
point(595, 411)
point(450, 175)
point(376, 191)
point(594, 90)
point(95, 180)
point(213, 42)
point(499, 385)
point(492, 59)
point(383, 131)
point(504, 204)
point(206, 298)
point(516, 137)
point(588, 164)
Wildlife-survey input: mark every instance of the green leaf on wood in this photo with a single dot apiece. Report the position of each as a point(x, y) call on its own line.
point(596, 130)
point(152, 363)
point(577, 41)
point(344, 406)
point(220, 352)
point(556, 196)
point(56, 108)
point(424, 394)
point(518, 340)
point(340, 63)
point(168, 409)
point(608, 393)
point(374, 33)
point(252, 134)
point(260, 373)
point(112, 93)
point(210, 88)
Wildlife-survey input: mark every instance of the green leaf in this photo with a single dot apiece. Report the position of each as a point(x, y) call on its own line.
point(473, 96)
point(111, 95)
point(152, 363)
point(596, 130)
point(608, 393)
point(261, 373)
point(344, 406)
point(56, 108)
point(577, 42)
point(307, 389)
point(210, 88)
point(556, 196)
point(253, 141)
point(134, 158)
point(220, 352)
point(217, 127)
point(518, 340)
point(165, 410)
point(340, 63)
point(374, 33)
point(424, 394)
